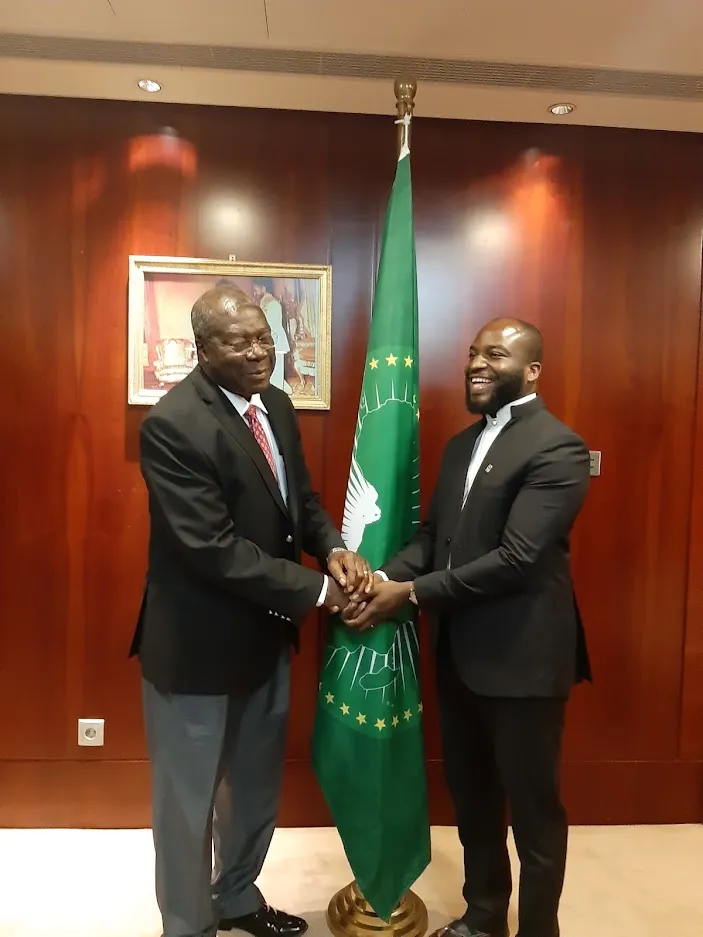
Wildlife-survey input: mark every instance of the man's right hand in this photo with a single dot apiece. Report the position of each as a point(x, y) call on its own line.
point(335, 600)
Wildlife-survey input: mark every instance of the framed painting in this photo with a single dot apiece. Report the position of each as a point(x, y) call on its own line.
point(296, 301)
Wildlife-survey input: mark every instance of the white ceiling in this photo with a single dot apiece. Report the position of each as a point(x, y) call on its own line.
point(641, 35)
point(647, 35)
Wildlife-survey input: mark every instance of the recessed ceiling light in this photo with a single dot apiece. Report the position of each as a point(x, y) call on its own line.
point(146, 84)
point(561, 110)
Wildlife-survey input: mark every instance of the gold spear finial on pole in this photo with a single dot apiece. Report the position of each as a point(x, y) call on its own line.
point(405, 90)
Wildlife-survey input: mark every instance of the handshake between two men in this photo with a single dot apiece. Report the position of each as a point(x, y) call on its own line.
point(361, 596)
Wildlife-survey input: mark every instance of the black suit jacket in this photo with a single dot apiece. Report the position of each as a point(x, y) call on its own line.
point(225, 588)
point(507, 602)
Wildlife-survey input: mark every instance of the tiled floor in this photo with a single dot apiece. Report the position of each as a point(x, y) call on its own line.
point(621, 881)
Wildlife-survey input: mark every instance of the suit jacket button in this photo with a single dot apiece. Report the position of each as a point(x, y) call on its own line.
point(289, 538)
point(449, 540)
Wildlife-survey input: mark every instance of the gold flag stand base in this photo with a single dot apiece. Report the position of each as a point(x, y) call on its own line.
point(350, 915)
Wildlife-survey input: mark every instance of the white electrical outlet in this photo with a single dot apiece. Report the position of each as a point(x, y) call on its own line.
point(91, 732)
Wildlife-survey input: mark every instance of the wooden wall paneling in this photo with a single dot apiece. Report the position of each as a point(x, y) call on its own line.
point(32, 639)
point(532, 218)
point(140, 182)
point(691, 736)
point(593, 234)
point(639, 347)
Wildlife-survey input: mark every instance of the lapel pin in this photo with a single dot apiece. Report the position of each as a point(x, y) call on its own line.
point(488, 468)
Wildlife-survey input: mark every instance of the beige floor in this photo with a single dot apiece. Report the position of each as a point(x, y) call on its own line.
point(622, 881)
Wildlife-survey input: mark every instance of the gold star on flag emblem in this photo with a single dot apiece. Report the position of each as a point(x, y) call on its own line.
point(373, 364)
point(329, 697)
point(420, 707)
point(407, 715)
point(408, 362)
point(380, 724)
point(391, 359)
point(396, 720)
point(345, 709)
point(361, 719)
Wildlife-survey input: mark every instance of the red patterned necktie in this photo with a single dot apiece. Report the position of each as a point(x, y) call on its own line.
point(260, 436)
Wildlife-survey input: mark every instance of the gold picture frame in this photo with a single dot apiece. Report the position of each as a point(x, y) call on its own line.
point(297, 300)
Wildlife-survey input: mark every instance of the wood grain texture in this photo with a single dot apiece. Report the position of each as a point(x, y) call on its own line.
point(691, 738)
point(592, 234)
point(115, 794)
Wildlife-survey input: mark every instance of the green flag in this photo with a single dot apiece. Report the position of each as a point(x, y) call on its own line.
point(367, 746)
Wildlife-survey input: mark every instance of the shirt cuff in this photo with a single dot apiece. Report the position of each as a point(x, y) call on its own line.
point(323, 592)
point(379, 572)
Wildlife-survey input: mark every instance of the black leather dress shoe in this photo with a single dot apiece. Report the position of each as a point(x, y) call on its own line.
point(461, 929)
point(266, 922)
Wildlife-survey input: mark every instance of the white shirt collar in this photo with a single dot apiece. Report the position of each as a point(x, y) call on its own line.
point(504, 415)
point(241, 404)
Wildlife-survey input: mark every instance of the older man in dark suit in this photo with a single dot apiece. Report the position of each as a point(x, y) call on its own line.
point(490, 565)
point(231, 508)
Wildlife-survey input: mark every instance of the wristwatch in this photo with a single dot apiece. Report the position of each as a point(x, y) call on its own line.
point(412, 596)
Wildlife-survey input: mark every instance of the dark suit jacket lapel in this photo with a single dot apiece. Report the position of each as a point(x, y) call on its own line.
point(223, 410)
point(280, 421)
point(458, 471)
point(499, 446)
point(493, 454)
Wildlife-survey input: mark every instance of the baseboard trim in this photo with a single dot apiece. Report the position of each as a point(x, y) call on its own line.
point(115, 794)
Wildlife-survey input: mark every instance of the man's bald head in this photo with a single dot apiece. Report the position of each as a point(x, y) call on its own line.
point(505, 361)
point(221, 302)
point(235, 346)
point(525, 334)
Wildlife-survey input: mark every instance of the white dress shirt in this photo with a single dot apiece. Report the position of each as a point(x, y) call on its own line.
point(241, 405)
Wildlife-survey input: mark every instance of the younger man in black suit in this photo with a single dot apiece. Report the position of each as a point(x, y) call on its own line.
point(490, 565)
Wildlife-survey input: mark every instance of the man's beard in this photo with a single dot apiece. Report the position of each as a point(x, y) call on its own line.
point(505, 390)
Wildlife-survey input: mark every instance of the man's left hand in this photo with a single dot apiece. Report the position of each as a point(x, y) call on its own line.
point(387, 598)
point(352, 572)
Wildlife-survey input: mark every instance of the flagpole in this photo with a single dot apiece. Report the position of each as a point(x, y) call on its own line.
point(348, 913)
point(405, 91)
